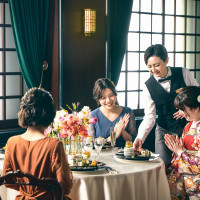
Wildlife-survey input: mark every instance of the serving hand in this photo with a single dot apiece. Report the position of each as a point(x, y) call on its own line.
point(174, 143)
point(179, 114)
point(137, 145)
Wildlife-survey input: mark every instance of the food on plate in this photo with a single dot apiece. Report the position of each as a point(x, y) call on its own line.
point(145, 153)
point(94, 163)
point(85, 163)
point(129, 152)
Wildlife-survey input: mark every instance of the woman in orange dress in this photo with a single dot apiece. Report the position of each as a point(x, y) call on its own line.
point(183, 171)
point(34, 153)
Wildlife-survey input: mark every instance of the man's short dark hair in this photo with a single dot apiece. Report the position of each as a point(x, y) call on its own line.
point(156, 50)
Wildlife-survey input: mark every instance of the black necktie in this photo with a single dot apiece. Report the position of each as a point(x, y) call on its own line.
point(164, 79)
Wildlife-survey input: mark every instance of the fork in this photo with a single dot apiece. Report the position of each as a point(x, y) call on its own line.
point(110, 170)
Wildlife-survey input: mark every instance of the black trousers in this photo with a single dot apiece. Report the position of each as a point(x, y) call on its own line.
point(160, 146)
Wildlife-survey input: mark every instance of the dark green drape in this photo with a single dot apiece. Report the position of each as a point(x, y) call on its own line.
point(29, 24)
point(119, 14)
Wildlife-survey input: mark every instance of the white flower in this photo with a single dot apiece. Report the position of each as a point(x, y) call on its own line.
point(81, 115)
point(86, 109)
point(85, 113)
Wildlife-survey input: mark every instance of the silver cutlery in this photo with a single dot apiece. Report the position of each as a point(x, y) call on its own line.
point(110, 170)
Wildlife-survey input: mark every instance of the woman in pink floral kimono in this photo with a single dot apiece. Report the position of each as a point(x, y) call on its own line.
point(183, 171)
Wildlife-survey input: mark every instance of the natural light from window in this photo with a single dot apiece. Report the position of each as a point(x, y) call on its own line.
point(177, 30)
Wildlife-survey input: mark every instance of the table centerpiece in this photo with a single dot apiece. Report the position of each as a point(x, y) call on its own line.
point(72, 128)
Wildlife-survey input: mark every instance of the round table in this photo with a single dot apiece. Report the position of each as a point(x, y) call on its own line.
point(136, 180)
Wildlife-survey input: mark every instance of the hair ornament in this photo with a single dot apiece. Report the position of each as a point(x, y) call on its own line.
point(178, 90)
point(198, 98)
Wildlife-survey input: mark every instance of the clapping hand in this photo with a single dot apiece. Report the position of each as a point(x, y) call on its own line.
point(174, 143)
point(121, 125)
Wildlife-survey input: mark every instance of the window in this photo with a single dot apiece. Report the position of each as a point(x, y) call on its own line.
point(173, 23)
point(12, 86)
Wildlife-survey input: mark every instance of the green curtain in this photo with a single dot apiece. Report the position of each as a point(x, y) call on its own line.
point(119, 14)
point(29, 24)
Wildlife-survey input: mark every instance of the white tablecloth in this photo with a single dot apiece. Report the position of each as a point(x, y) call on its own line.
point(137, 180)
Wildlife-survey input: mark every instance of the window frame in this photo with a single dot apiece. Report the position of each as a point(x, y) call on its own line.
point(7, 123)
point(163, 34)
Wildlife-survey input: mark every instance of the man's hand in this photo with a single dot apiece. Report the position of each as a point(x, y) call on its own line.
point(137, 145)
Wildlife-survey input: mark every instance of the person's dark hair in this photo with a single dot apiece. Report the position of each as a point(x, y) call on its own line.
point(37, 108)
point(156, 50)
point(188, 96)
point(100, 85)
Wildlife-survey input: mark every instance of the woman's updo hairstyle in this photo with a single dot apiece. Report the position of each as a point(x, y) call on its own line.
point(100, 85)
point(188, 96)
point(37, 108)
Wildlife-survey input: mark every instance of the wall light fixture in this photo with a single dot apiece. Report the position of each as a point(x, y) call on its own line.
point(89, 21)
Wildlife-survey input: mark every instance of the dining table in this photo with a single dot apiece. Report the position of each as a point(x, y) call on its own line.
point(117, 179)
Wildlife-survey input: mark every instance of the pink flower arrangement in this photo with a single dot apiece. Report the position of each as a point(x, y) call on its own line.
point(93, 120)
point(71, 125)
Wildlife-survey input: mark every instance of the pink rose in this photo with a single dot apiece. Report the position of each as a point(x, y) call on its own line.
point(47, 131)
point(93, 120)
point(63, 133)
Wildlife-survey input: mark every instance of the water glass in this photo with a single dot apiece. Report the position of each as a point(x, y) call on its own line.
point(98, 147)
point(113, 138)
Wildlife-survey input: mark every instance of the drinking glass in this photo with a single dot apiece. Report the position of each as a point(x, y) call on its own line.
point(86, 154)
point(113, 137)
point(98, 147)
point(87, 151)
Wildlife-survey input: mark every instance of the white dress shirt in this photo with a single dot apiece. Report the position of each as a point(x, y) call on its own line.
point(150, 108)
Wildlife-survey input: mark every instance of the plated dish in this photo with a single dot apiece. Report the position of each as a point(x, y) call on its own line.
point(135, 156)
point(99, 166)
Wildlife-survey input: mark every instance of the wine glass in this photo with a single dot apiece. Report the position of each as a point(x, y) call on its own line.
point(112, 137)
point(98, 147)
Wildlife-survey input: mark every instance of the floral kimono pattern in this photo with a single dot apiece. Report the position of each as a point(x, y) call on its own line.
point(183, 172)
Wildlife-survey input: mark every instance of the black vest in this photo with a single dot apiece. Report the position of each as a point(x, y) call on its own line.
point(164, 100)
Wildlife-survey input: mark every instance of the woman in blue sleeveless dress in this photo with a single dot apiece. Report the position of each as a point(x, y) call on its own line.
point(110, 114)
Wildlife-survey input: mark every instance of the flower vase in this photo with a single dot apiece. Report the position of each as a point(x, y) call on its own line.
point(70, 145)
point(79, 145)
point(65, 142)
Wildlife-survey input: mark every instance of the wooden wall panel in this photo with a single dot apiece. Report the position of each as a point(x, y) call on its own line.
point(84, 57)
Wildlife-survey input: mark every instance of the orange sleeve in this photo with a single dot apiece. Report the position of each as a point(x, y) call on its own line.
point(61, 169)
point(7, 165)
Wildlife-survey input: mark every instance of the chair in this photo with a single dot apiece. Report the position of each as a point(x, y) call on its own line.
point(49, 184)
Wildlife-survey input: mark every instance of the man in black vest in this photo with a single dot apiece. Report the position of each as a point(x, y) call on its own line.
point(160, 91)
